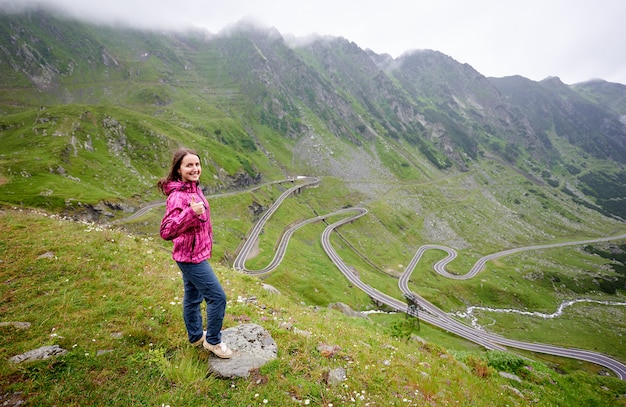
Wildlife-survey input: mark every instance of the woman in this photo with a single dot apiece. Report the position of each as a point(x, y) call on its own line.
point(187, 222)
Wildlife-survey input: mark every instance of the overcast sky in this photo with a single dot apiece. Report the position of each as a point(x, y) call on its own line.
point(576, 40)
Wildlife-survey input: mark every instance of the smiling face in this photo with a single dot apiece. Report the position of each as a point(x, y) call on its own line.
point(190, 169)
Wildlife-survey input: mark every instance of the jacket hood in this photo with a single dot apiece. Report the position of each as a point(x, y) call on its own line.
point(179, 186)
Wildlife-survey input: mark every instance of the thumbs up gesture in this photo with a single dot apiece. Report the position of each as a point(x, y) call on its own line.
point(198, 207)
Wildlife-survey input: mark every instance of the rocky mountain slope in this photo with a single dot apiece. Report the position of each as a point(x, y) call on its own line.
point(320, 107)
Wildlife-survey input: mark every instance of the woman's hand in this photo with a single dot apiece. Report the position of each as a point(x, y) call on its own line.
point(198, 207)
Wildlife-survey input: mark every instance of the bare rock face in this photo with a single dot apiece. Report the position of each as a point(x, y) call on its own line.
point(45, 352)
point(253, 347)
point(336, 376)
point(345, 308)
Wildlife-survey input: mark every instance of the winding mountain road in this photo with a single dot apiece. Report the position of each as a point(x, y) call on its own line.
point(430, 313)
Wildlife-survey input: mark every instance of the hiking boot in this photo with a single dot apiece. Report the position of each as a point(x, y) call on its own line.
point(220, 350)
point(200, 341)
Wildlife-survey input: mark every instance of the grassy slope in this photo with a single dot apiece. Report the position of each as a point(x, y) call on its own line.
point(106, 290)
point(62, 154)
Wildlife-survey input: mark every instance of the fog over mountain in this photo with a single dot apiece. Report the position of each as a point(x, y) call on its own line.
point(573, 40)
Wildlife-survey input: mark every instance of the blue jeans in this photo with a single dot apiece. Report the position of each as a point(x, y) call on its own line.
point(201, 283)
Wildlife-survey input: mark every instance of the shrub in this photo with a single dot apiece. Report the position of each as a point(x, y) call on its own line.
point(504, 361)
point(478, 366)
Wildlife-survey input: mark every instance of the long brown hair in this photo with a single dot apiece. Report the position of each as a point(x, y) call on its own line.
point(174, 174)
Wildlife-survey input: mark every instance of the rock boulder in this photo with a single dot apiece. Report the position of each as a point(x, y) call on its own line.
point(253, 347)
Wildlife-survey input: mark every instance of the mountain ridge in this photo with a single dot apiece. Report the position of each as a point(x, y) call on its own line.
point(423, 100)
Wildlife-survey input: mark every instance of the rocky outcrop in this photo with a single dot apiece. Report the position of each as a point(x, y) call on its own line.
point(253, 347)
point(345, 309)
point(45, 352)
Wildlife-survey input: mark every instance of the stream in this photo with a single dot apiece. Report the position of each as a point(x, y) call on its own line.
point(469, 313)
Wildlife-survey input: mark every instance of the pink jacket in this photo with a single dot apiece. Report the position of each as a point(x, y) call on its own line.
point(192, 235)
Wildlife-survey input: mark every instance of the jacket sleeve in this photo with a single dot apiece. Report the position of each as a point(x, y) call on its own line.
point(178, 218)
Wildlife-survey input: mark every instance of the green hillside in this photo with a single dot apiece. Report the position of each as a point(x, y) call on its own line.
point(113, 301)
point(437, 153)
